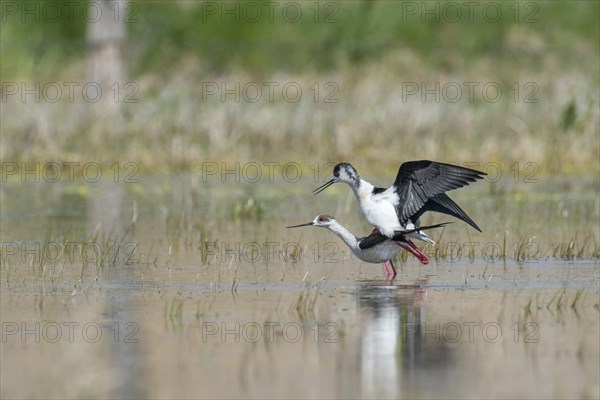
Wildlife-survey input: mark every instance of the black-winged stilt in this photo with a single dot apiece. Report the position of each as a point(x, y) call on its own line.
point(420, 186)
point(375, 248)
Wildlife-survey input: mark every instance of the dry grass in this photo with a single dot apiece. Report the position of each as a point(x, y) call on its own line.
point(373, 121)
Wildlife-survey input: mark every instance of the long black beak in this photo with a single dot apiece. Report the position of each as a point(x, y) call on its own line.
point(297, 226)
point(324, 186)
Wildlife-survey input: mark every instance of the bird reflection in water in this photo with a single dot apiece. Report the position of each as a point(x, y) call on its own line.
point(395, 352)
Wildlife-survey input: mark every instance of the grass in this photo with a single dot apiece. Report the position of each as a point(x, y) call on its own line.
point(304, 306)
point(370, 123)
point(576, 249)
point(366, 62)
point(562, 302)
point(517, 229)
point(62, 255)
point(174, 313)
point(525, 249)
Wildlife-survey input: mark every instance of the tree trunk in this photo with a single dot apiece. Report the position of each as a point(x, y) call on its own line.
point(106, 38)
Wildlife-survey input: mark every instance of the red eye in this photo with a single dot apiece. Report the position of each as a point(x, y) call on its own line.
point(322, 219)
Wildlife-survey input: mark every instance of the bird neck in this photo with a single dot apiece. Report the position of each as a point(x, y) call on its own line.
point(345, 235)
point(363, 190)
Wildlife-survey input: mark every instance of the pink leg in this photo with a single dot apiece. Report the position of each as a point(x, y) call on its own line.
point(414, 250)
point(389, 264)
point(387, 268)
point(393, 268)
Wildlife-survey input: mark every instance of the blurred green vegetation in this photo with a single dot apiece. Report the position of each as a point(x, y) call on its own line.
point(542, 54)
point(327, 35)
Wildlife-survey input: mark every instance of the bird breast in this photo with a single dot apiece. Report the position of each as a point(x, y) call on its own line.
point(380, 211)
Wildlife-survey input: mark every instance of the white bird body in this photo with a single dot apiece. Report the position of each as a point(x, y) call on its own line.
point(379, 209)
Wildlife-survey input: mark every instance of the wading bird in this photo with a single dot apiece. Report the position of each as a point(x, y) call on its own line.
point(375, 248)
point(420, 186)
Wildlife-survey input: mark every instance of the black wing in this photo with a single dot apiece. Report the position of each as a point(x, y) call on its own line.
point(419, 181)
point(372, 240)
point(375, 238)
point(445, 205)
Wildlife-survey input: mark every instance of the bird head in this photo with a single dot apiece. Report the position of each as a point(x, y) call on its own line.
point(321, 220)
point(342, 172)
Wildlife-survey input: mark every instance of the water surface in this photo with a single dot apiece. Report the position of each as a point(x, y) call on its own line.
point(176, 288)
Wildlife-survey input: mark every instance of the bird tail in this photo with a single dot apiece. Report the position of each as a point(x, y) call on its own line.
point(400, 235)
point(444, 204)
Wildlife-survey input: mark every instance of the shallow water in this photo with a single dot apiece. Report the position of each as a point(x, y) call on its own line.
point(178, 289)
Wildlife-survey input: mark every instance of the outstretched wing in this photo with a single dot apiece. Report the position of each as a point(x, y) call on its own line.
point(419, 181)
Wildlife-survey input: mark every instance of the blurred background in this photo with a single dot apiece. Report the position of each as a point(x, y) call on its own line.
point(377, 81)
point(191, 111)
